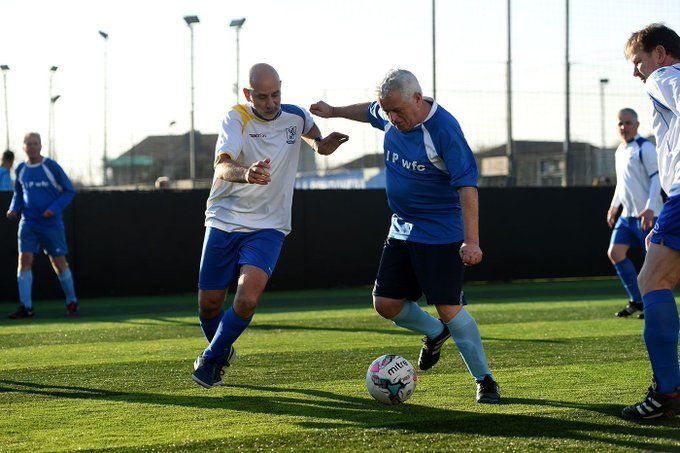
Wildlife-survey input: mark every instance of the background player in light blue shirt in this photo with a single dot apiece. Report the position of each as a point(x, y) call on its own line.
point(431, 182)
point(41, 193)
point(5, 168)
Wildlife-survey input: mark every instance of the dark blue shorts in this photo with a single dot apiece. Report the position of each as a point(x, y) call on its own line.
point(34, 238)
point(409, 269)
point(628, 231)
point(224, 254)
point(666, 231)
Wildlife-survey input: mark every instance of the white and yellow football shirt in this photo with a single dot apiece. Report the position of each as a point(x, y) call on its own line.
point(246, 138)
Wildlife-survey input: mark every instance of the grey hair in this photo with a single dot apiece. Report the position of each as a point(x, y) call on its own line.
point(399, 79)
point(628, 111)
point(32, 134)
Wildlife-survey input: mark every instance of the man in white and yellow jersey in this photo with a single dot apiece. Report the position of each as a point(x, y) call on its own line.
point(248, 212)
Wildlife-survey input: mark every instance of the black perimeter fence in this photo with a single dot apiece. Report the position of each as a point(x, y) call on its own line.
point(143, 243)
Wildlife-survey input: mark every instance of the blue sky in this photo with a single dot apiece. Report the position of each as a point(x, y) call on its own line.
point(323, 49)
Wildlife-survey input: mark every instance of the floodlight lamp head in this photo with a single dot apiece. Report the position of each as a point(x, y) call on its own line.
point(103, 34)
point(54, 68)
point(4, 67)
point(238, 23)
point(191, 20)
point(55, 98)
point(604, 80)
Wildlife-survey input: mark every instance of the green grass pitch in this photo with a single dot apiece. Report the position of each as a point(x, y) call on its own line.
point(118, 378)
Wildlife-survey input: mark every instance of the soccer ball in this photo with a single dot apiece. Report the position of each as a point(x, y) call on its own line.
point(391, 379)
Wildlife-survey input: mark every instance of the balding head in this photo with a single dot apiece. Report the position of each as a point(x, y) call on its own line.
point(265, 91)
point(262, 73)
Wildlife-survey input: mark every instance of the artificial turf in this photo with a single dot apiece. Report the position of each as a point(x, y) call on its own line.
point(119, 376)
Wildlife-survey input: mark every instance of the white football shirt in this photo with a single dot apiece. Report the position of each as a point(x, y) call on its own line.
point(637, 178)
point(247, 138)
point(663, 87)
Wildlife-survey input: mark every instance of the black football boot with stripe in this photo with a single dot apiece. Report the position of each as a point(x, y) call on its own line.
point(429, 354)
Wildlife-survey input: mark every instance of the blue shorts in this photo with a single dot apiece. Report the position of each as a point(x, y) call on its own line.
point(667, 228)
point(224, 254)
point(34, 238)
point(628, 231)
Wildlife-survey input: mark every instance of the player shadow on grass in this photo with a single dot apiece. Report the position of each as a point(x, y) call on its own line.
point(329, 410)
point(267, 327)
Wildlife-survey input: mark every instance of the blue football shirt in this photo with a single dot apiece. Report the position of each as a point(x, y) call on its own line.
point(39, 187)
point(425, 167)
point(5, 180)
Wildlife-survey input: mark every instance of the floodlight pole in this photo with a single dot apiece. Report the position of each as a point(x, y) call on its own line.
point(50, 121)
point(104, 155)
point(5, 69)
point(434, 52)
point(190, 21)
point(52, 150)
point(237, 24)
point(509, 151)
point(603, 130)
point(566, 145)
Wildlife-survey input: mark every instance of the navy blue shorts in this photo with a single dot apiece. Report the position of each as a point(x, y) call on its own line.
point(224, 254)
point(51, 240)
point(628, 231)
point(410, 269)
point(666, 231)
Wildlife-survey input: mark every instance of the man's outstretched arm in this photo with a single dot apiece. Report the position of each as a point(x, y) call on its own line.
point(321, 145)
point(355, 112)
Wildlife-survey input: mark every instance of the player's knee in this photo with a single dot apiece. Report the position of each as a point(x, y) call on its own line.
point(245, 305)
point(209, 305)
point(615, 255)
point(386, 309)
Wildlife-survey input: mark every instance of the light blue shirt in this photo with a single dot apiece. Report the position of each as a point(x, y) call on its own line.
point(425, 167)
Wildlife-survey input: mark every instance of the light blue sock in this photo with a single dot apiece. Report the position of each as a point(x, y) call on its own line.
point(628, 276)
point(414, 318)
point(66, 280)
point(210, 326)
point(25, 282)
point(230, 328)
point(661, 338)
point(464, 332)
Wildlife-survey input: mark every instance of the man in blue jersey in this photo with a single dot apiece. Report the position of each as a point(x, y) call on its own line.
point(431, 181)
point(41, 192)
point(5, 168)
point(638, 190)
point(655, 54)
point(248, 212)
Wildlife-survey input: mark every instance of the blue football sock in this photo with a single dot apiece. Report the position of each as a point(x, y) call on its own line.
point(25, 282)
point(465, 333)
point(628, 276)
point(414, 318)
point(661, 337)
point(229, 329)
point(66, 280)
point(209, 326)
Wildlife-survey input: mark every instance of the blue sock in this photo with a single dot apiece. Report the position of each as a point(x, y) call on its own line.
point(414, 318)
point(466, 335)
point(66, 280)
point(229, 329)
point(661, 337)
point(25, 281)
point(628, 276)
point(209, 326)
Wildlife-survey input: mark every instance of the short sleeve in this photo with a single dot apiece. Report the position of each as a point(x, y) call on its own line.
point(649, 158)
point(309, 121)
point(230, 138)
point(663, 87)
point(456, 153)
point(376, 116)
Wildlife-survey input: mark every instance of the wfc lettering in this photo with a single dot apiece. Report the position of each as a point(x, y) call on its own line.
point(391, 156)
